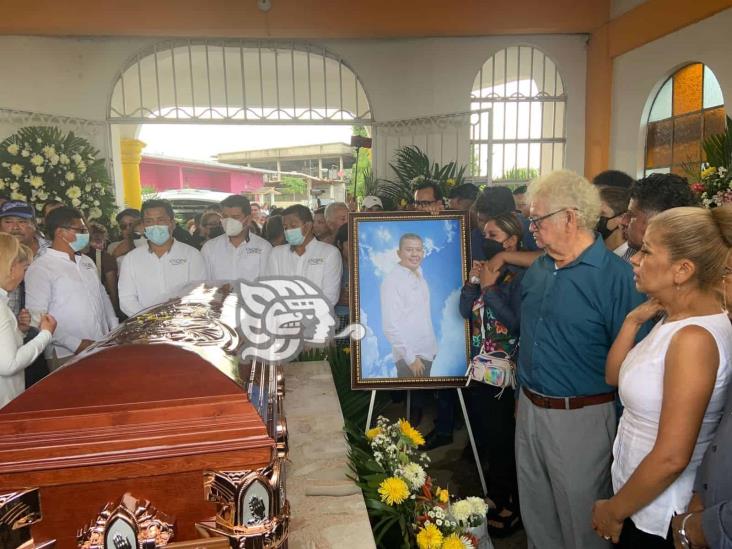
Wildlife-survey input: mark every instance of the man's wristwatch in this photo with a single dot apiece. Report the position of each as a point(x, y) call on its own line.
point(683, 538)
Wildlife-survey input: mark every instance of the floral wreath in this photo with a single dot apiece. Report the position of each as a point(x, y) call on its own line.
point(41, 163)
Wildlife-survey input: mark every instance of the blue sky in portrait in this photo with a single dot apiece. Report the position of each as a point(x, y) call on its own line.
point(378, 242)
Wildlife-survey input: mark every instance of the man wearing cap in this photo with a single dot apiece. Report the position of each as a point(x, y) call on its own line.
point(372, 204)
point(64, 283)
point(17, 218)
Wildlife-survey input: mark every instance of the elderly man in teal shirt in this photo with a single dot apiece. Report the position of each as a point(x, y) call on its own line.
point(574, 300)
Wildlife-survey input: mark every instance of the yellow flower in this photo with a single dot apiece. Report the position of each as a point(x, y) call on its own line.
point(450, 182)
point(393, 491)
point(411, 433)
point(402, 202)
point(371, 434)
point(37, 160)
point(36, 182)
point(13, 149)
point(16, 170)
point(452, 542)
point(443, 495)
point(15, 195)
point(429, 537)
point(708, 172)
point(73, 192)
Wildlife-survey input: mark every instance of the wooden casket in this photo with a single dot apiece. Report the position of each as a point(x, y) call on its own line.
point(157, 410)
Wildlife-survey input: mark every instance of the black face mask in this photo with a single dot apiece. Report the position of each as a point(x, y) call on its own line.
point(602, 227)
point(491, 248)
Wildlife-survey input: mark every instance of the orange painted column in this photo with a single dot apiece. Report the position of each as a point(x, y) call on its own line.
point(598, 103)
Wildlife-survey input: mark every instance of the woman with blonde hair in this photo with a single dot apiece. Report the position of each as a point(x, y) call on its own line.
point(14, 356)
point(673, 382)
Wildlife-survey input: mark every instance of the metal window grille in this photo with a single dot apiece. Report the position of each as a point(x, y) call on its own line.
point(237, 82)
point(518, 116)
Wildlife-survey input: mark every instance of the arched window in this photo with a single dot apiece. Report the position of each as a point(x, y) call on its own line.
point(238, 82)
point(687, 109)
point(518, 106)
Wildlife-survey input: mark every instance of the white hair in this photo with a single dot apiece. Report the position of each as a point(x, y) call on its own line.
point(567, 189)
point(332, 208)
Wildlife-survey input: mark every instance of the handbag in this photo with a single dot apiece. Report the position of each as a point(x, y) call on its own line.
point(495, 368)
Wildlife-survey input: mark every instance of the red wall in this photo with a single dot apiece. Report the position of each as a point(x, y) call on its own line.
point(167, 175)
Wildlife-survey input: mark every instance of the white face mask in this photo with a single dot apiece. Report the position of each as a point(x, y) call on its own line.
point(231, 226)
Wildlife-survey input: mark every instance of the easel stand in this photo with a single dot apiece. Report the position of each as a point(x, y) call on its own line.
point(467, 426)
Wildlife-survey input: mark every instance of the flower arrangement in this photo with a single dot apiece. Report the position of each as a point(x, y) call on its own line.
point(391, 471)
point(41, 163)
point(714, 186)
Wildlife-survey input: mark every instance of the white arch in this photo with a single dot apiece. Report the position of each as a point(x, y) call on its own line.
point(518, 104)
point(237, 82)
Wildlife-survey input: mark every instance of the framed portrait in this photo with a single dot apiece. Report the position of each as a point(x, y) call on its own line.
point(407, 271)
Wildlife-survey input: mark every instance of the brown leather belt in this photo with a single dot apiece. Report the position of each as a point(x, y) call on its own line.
point(567, 403)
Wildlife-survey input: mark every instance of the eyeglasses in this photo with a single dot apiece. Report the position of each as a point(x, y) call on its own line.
point(82, 230)
point(424, 203)
point(536, 221)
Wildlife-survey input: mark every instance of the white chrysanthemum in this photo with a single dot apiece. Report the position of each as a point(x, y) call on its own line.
point(96, 202)
point(36, 182)
point(25, 153)
point(54, 159)
point(16, 170)
point(70, 176)
point(13, 149)
point(40, 169)
point(81, 166)
point(414, 475)
point(467, 544)
point(15, 195)
point(37, 160)
point(76, 158)
point(49, 151)
point(477, 506)
point(95, 213)
point(73, 192)
point(87, 188)
point(76, 202)
point(14, 185)
point(461, 510)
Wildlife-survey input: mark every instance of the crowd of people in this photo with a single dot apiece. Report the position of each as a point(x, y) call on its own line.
point(609, 296)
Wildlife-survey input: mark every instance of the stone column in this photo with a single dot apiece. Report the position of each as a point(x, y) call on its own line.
point(131, 156)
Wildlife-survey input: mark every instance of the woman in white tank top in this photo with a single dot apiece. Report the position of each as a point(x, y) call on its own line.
point(673, 382)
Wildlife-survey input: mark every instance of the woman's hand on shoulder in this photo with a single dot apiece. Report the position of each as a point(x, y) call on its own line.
point(644, 312)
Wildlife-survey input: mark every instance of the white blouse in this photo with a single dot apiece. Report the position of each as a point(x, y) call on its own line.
point(14, 356)
point(641, 392)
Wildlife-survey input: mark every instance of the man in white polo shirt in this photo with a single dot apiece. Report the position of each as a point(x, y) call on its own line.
point(64, 283)
point(304, 256)
point(238, 254)
point(152, 274)
point(405, 311)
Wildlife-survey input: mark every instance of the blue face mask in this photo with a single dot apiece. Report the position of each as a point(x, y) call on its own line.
point(294, 237)
point(81, 242)
point(157, 234)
